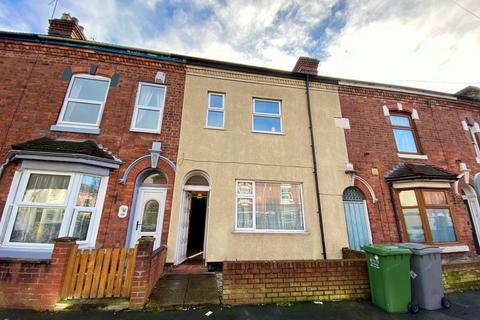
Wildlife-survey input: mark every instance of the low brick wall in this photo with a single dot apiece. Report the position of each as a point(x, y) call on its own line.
point(461, 276)
point(148, 269)
point(35, 284)
point(268, 282)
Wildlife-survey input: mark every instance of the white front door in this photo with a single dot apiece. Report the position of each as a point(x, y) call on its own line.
point(182, 239)
point(149, 214)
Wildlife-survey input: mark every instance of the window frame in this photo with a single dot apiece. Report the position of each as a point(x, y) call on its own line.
point(422, 209)
point(219, 110)
point(254, 205)
point(412, 127)
point(267, 115)
point(15, 200)
point(66, 100)
point(136, 108)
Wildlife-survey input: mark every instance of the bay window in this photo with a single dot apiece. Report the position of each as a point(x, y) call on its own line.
point(48, 205)
point(269, 206)
point(427, 216)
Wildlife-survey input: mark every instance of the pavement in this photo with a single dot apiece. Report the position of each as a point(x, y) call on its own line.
point(465, 306)
point(175, 291)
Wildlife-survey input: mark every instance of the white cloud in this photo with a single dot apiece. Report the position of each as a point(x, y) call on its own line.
point(433, 42)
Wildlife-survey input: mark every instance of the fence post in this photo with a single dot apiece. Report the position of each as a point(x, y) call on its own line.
point(63, 250)
point(140, 282)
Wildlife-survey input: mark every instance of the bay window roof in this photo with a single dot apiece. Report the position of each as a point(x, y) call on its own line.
point(415, 171)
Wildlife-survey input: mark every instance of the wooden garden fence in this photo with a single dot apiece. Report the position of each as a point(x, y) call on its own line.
point(99, 273)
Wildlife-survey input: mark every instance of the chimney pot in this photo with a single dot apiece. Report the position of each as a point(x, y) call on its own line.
point(66, 27)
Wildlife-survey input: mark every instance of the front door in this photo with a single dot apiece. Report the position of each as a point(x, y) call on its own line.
point(149, 214)
point(356, 217)
point(182, 239)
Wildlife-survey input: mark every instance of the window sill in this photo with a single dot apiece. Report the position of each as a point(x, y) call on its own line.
point(454, 248)
point(413, 156)
point(214, 128)
point(25, 254)
point(144, 131)
point(302, 232)
point(57, 127)
point(272, 133)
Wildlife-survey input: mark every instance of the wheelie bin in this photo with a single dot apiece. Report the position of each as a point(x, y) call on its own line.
point(426, 276)
point(389, 275)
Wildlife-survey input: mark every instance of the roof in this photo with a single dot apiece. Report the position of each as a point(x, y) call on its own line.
point(414, 171)
point(46, 144)
point(191, 60)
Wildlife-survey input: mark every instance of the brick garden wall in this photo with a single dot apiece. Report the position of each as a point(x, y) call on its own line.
point(461, 276)
point(371, 145)
point(35, 284)
point(269, 282)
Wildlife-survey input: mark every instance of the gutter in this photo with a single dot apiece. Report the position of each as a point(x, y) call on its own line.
point(315, 172)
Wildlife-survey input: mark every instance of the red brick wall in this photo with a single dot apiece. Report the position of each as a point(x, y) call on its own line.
point(34, 284)
point(148, 269)
point(31, 96)
point(268, 282)
point(371, 144)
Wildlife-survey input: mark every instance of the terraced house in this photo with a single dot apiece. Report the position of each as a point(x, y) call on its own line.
point(120, 165)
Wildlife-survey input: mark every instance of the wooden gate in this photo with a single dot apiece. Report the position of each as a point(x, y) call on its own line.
point(99, 273)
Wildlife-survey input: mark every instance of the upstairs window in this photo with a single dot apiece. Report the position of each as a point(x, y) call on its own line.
point(404, 133)
point(149, 105)
point(267, 116)
point(216, 111)
point(84, 102)
point(426, 216)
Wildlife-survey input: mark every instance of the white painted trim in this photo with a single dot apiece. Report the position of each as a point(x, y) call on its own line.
point(219, 110)
point(412, 156)
point(196, 188)
point(395, 88)
point(415, 114)
point(158, 109)
point(472, 199)
point(101, 104)
point(267, 115)
point(451, 249)
point(421, 184)
point(366, 184)
point(367, 217)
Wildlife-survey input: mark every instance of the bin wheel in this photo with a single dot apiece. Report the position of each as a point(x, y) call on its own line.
point(413, 308)
point(446, 303)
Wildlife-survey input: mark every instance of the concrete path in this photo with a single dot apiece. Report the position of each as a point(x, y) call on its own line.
point(465, 306)
point(184, 291)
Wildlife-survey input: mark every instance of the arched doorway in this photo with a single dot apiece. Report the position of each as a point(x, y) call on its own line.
point(356, 217)
point(193, 218)
point(470, 199)
point(149, 207)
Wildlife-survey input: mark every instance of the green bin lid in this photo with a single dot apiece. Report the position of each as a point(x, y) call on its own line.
point(386, 250)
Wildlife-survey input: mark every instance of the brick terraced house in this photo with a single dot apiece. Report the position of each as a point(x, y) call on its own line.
point(119, 165)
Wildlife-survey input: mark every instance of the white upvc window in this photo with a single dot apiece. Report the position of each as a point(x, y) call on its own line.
point(269, 206)
point(149, 105)
point(46, 205)
point(216, 111)
point(84, 102)
point(267, 116)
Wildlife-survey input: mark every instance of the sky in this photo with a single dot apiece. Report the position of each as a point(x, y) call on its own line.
point(430, 44)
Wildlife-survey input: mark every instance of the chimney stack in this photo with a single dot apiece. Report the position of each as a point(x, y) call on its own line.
point(66, 27)
point(306, 65)
point(469, 92)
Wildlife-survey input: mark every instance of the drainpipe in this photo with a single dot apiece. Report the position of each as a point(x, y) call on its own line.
point(315, 174)
point(395, 211)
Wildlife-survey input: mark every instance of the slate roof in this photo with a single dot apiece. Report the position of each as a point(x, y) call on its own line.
point(46, 144)
point(414, 171)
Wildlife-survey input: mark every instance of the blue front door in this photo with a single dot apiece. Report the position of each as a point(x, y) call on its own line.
point(356, 219)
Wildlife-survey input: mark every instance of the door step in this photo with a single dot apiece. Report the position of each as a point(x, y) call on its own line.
point(188, 268)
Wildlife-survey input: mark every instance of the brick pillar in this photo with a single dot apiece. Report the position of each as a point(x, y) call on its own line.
point(141, 278)
point(62, 250)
